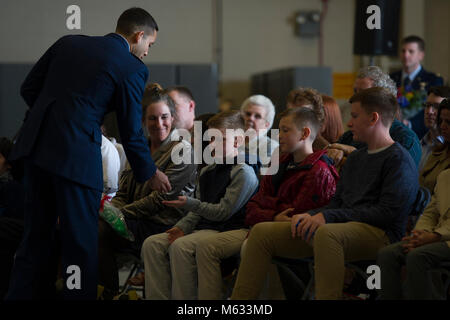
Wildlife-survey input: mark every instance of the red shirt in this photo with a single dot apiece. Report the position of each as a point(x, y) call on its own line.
point(304, 186)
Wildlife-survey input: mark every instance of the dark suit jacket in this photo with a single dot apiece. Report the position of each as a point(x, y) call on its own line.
point(431, 80)
point(69, 90)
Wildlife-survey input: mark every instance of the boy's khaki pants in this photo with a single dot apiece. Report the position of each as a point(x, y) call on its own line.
point(332, 245)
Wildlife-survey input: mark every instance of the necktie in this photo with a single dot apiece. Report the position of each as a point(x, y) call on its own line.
point(406, 82)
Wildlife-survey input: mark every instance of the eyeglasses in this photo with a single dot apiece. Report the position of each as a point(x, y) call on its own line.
point(432, 105)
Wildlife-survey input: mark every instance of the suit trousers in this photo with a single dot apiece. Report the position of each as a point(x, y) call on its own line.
point(53, 202)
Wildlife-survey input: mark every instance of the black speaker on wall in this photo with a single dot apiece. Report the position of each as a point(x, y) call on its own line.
point(383, 41)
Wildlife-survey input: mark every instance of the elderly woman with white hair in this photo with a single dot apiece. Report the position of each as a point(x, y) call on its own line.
point(258, 112)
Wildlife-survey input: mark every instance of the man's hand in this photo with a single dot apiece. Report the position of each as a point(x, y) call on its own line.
point(345, 148)
point(419, 238)
point(336, 155)
point(174, 233)
point(306, 225)
point(160, 182)
point(295, 221)
point(283, 216)
point(175, 203)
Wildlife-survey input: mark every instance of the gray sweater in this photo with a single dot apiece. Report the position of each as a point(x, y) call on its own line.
point(242, 186)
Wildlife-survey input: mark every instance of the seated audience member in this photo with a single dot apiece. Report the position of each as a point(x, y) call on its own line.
point(223, 190)
point(12, 202)
point(258, 112)
point(310, 98)
point(122, 155)
point(374, 196)
point(111, 167)
point(369, 77)
point(432, 138)
point(184, 107)
point(439, 159)
point(139, 279)
point(120, 150)
point(332, 127)
point(425, 249)
point(305, 180)
point(142, 207)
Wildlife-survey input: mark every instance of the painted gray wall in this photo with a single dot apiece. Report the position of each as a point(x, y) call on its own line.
point(258, 36)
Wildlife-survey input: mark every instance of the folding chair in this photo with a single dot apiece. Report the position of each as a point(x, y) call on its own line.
point(134, 264)
point(297, 277)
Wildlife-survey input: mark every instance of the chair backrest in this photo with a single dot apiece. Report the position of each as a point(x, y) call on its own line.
point(422, 199)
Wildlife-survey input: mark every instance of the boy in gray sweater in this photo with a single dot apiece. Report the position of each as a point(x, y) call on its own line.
point(222, 192)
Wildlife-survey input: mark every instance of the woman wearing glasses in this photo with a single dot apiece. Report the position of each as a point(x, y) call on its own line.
point(439, 159)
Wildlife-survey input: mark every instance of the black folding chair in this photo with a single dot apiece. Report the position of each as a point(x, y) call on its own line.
point(134, 264)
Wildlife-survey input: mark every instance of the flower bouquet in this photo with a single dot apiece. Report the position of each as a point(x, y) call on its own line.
point(411, 101)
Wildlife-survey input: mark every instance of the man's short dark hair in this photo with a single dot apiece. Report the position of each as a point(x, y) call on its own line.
point(380, 100)
point(440, 91)
point(136, 19)
point(415, 39)
point(182, 90)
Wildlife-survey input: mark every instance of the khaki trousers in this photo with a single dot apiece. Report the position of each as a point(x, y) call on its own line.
point(332, 245)
point(171, 269)
point(210, 252)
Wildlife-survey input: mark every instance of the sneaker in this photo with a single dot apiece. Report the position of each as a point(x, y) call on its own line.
point(138, 280)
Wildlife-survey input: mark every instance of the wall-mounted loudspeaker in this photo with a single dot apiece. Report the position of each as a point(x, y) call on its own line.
point(370, 40)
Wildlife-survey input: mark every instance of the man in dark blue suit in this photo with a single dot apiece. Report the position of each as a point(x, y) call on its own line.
point(413, 74)
point(70, 89)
